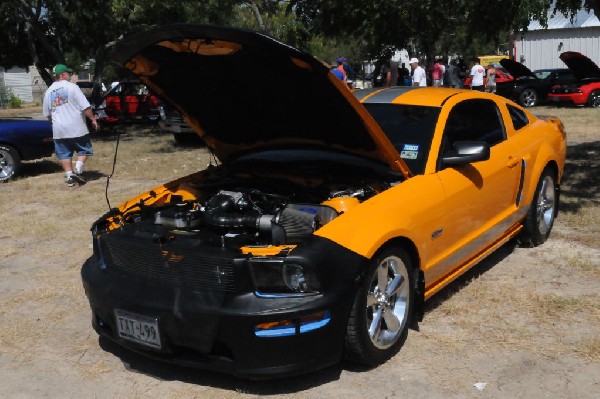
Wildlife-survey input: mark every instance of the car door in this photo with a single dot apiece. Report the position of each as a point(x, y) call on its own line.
point(480, 196)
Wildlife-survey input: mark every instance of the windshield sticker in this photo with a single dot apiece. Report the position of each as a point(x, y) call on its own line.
point(410, 151)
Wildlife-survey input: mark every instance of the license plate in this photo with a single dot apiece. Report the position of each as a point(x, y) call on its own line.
point(138, 328)
point(555, 99)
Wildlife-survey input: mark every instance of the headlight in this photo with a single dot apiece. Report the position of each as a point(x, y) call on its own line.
point(294, 277)
point(275, 277)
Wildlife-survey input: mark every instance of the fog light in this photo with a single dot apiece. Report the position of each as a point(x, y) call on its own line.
point(284, 328)
point(294, 277)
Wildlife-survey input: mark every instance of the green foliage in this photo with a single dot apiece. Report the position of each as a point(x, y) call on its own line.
point(15, 101)
point(46, 32)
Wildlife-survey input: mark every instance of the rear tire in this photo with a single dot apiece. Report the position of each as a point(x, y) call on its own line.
point(594, 99)
point(541, 215)
point(10, 162)
point(528, 98)
point(382, 309)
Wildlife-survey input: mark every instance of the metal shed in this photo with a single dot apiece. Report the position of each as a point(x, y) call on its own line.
point(16, 81)
point(540, 47)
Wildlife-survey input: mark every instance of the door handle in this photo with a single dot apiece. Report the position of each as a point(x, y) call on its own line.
point(513, 162)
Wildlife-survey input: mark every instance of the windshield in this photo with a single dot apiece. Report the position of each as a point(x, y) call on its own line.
point(410, 128)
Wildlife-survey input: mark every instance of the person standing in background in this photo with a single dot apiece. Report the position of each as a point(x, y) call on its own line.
point(490, 84)
point(454, 75)
point(66, 108)
point(477, 73)
point(340, 67)
point(419, 75)
point(437, 73)
point(391, 78)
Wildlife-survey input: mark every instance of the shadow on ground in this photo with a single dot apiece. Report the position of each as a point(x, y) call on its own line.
point(169, 372)
point(130, 132)
point(581, 181)
point(39, 168)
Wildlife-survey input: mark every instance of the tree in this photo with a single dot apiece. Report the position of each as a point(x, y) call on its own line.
point(378, 25)
point(428, 27)
point(46, 32)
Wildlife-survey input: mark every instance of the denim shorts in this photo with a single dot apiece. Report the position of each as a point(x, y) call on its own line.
point(64, 148)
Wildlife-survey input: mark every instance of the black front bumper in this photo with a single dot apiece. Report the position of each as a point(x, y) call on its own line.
point(217, 330)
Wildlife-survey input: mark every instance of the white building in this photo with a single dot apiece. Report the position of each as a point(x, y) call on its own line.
point(18, 82)
point(540, 47)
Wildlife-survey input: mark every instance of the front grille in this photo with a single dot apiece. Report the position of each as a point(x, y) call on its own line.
point(176, 265)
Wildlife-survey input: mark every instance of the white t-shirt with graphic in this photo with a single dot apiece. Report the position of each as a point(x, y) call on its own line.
point(65, 102)
point(477, 73)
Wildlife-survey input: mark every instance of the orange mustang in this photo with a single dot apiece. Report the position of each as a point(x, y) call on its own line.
point(330, 218)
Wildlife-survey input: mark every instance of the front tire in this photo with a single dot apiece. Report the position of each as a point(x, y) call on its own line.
point(10, 162)
point(382, 309)
point(594, 99)
point(540, 218)
point(528, 98)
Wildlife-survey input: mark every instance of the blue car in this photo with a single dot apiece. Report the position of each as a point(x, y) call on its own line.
point(22, 139)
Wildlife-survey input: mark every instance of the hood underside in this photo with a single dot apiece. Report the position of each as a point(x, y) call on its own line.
point(516, 69)
point(581, 66)
point(243, 91)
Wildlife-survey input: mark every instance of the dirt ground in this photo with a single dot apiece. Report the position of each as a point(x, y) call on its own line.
point(525, 323)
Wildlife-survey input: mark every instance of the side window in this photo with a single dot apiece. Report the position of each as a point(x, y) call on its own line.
point(518, 117)
point(474, 120)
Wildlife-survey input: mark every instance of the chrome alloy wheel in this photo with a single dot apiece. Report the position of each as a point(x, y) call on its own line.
point(546, 204)
point(528, 98)
point(595, 99)
point(6, 165)
point(387, 302)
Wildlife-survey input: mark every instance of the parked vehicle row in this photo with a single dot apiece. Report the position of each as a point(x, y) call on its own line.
point(128, 101)
point(531, 88)
point(586, 90)
point(578, 84)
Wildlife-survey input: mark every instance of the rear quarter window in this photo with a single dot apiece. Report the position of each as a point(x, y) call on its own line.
point(518, 117)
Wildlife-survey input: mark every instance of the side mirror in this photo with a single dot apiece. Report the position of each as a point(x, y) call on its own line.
point(466, 152)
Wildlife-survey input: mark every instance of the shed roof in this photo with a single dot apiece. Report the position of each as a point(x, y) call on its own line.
point(583, 19)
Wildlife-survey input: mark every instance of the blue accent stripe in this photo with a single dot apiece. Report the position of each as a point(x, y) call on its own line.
point(276, 332)
point(314, 325)
point(296, 328)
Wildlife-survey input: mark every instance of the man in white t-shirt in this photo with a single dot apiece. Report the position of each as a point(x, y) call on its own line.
point(419, 78)
point(66, 108)
point(477, 73)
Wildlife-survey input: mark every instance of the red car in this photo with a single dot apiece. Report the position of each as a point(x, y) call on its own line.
point(502, 75)
point(586, 91)
point(129, 101)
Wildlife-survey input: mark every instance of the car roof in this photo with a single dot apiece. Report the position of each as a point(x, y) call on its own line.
point(423, 96)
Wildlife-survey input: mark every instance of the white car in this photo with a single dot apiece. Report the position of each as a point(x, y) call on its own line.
point(171, 121)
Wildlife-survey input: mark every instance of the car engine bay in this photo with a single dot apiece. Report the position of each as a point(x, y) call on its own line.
point(245, 210)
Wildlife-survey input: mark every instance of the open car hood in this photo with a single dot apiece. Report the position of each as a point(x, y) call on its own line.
point(242, 91)
point(516, 69)
point(581, 66)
